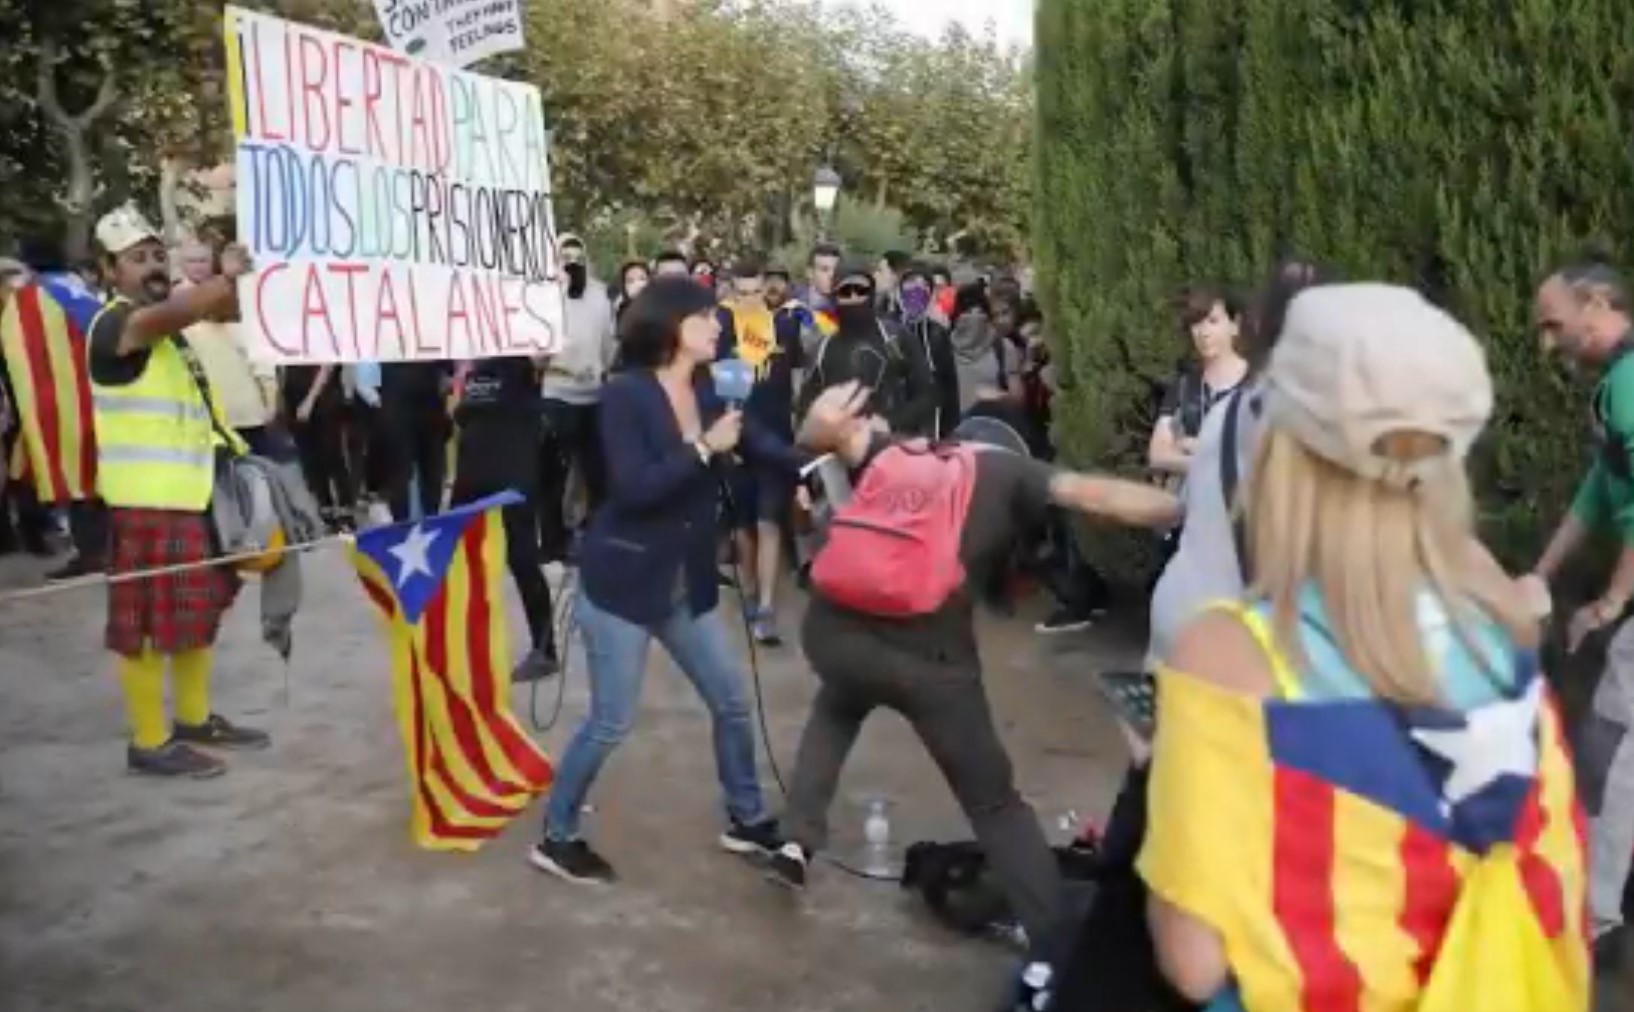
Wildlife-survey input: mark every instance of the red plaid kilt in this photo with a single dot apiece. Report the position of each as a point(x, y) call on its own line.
point(173, 612)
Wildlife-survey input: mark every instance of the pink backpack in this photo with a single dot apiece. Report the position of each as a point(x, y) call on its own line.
point(893, 548)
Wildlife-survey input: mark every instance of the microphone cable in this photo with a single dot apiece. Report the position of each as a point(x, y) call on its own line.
point(729, 502)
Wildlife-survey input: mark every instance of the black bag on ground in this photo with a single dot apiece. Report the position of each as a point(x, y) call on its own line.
point(957, 885)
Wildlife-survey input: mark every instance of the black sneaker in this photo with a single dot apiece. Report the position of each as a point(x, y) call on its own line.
point(174, 759)
point(75, 568)
point(219, 732)
point(788, 866)
point(761, 839)
point(1065, 620)
point(536, 667)
point(572, 860)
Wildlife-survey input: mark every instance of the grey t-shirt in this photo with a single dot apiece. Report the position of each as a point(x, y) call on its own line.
point(1204, 568)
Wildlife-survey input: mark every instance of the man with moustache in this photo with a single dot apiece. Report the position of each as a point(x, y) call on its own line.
point(158, 437)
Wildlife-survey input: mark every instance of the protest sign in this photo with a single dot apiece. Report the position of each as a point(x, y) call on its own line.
point(456, 32)
point(395, 210)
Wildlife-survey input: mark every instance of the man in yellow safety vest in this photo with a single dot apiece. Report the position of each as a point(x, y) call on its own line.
point(157, 440)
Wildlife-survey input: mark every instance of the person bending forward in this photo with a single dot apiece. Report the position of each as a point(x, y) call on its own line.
point(927, 667)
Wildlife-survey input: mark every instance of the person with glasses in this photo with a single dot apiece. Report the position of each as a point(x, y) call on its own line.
point(876, 354)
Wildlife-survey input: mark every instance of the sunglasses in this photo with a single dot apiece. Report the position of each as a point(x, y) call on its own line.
point(852, 292)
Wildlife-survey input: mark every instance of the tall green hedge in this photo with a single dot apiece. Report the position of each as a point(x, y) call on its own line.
point(1458, 145)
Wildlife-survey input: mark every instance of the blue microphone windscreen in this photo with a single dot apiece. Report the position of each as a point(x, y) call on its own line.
point(734, 379)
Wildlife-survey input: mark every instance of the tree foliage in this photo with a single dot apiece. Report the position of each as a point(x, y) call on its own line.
point(1452, 145)
point(709, 117)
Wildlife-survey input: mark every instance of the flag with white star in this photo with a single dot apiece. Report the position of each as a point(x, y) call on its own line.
point(436, 586)
point(1354, 854)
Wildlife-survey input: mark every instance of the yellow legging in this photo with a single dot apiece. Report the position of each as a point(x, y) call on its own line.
point(142, 679)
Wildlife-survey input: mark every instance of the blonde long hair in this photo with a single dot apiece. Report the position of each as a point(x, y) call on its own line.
point(1370, 550)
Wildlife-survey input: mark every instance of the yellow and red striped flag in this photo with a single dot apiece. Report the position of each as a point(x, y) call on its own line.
point(42, 336)
point(436, 585)
point(1355, 856)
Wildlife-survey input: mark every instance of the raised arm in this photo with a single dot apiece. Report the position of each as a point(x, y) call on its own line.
point(186, 306)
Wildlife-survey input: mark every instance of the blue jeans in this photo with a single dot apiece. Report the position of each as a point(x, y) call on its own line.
point(617, 655)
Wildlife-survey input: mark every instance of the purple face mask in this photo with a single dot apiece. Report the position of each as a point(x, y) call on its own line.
point(915, 302)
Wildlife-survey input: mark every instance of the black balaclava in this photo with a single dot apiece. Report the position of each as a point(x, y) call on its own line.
point(578, 276)
point(861, 319)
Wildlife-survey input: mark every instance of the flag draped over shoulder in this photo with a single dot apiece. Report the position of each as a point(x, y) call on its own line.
point(1355, 856)
point(436, 584)
point(42, 337)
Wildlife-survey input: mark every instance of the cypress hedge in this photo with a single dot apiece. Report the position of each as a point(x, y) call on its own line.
point(1459, 146)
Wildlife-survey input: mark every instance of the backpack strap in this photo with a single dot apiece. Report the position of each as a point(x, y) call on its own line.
point(1229, 480)
point(1287, 683)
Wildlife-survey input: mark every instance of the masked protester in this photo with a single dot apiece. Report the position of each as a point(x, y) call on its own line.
point(156, 450)
point(913, 297)
point(572, 393)
point(875, 354)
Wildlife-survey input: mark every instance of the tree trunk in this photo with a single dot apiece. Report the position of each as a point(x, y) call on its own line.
point(77, 202)
point(73, 129)
point(170, 180)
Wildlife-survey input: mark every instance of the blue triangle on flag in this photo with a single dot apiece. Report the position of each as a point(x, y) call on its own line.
point(414, 557)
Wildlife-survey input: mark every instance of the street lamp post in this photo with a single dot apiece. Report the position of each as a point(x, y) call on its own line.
point(825, 190)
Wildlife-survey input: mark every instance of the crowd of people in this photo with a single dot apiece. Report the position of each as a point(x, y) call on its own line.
point(1355, 775)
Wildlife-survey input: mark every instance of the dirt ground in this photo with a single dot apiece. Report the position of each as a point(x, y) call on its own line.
point(290, 883)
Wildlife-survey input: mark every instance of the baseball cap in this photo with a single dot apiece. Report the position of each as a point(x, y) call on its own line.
point(122, 228)
point(1359, 362)
point(993, 432)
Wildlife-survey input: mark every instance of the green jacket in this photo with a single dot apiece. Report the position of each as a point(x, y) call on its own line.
point(1605, 499)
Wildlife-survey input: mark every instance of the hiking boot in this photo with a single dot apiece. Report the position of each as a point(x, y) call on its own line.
point(537, 666)
point(1069, 619)
point(788, 866)
point(763, 626)
point(219, 732)
point(173, 759)
point(572, 861)
point(761, 839)
point(75, 568)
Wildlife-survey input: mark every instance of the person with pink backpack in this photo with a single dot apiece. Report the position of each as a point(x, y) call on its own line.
point(892, 624)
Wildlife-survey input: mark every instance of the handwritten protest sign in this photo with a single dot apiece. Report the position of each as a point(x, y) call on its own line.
point(457, 32)
point(395, 210)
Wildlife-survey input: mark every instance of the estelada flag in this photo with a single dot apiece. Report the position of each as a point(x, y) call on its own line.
point(1356, 856)
point(42, 336)
point(436, 585)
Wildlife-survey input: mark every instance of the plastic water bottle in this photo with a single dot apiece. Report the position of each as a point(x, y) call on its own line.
point(876, 834)
point(1035, 988)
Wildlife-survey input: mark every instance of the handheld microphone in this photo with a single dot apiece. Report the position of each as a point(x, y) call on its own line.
point(734, 379)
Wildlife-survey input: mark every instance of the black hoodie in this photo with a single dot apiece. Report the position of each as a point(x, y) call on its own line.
point(882, 357)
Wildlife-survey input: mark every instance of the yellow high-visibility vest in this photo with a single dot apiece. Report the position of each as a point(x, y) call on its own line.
point(155, 442)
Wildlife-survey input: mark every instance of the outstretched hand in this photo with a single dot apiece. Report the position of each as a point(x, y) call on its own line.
point(833, 417)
